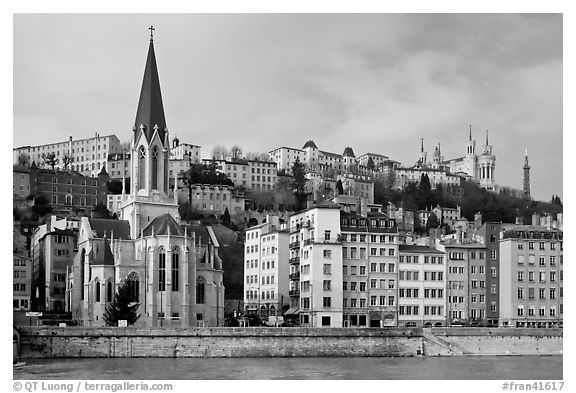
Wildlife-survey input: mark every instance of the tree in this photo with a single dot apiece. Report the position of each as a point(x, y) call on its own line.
point(256, 156)
point(67, 160)
point(101, 211)
point(425, 183)
point(122, 307)
point(340, 187)
point(225, 219)
point(432, 221)
point(23, 159)
point(235, 152)
point(370, 163)
point(219, 152)
point(41, 206)
point(50, 159)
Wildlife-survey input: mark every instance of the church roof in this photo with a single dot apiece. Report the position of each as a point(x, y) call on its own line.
point(101, 253)
point(348, 152)
point(311, 144)
point(150, 109)
point(120, 229)
point(161, 225)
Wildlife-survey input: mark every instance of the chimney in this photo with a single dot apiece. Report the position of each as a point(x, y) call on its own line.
point(549, 221)
point(459, 235)
point(363, 207)
point(519, 220)
point(391, 210)
point(535, 219)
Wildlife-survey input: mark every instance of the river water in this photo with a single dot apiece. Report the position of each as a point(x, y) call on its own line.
point(409, 368)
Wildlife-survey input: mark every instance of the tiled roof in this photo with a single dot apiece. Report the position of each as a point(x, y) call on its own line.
point(120, 229)
point(418, 249)
point(101, 253)
point(310, 143)
point(348, 152)
point(161, 225)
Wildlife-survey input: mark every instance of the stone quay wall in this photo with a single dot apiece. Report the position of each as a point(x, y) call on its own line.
point(79, 342)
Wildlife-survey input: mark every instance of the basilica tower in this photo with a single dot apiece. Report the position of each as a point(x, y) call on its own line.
point(486, 167)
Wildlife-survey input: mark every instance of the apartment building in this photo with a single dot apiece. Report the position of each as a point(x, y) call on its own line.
point(214, 199)
point(252, 174)
point(266, 271)
point(22, 282)
point(531, 277)
point(285, 157)
point(53, 248)
point(489, 235)
point(20, 182)
point(118, 165)
point(316, 253)
point(421, 286)
point(88, 155)
point(369, 272)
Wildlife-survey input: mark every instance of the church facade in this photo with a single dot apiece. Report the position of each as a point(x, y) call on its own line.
point(173, 270)
point(474, 166)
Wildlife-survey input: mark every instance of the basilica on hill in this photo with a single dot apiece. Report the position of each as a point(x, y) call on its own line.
point(173, 270)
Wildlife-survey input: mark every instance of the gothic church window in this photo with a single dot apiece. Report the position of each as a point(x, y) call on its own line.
point(175, 268)
point(200, 290)
point(155, 168)
point(133, 287)
point(162, 270)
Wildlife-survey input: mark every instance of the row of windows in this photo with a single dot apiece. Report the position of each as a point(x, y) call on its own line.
point(211, 196)
point(362, 269)
point(415, 276)
point(266, 295)
point(541, 311)
point(362, 255)
point(373, 285)
point(415, 259)
point(541, 293)
point(541, 259)
point(541, 246)
point(69, 180)
point(541, 276)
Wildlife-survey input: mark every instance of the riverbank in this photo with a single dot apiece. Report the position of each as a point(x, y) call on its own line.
point(78, 342)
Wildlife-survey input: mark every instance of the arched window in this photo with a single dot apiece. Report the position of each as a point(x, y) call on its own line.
point(97, 291)
point(133, 287)
point(82, 257)
point(175, 268)
point(162, 270)
point(155, 168)
point(141, 168)
point(109, 292)
point(200, 290)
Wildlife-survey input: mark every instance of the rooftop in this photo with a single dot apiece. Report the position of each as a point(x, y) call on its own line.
point(410, 248)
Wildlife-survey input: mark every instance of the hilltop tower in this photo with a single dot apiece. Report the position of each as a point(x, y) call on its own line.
point(349, 158)
point(526, 168)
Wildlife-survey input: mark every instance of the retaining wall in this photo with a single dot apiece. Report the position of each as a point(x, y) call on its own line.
point(70, 342)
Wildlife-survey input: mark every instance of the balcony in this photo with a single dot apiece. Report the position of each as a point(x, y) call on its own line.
point(294, 276)
point(308, 241)
point(295, 244)
point(294, 292)
point(294, 261)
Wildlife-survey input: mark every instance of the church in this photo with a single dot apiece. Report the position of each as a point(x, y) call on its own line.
point(173, 270)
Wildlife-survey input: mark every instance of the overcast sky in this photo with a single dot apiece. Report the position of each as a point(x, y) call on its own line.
point(377, 83)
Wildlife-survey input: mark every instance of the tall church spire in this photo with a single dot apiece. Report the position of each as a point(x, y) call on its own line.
point(150, 113)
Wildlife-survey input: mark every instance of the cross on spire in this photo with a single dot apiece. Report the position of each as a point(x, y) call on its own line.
point(151, 28)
